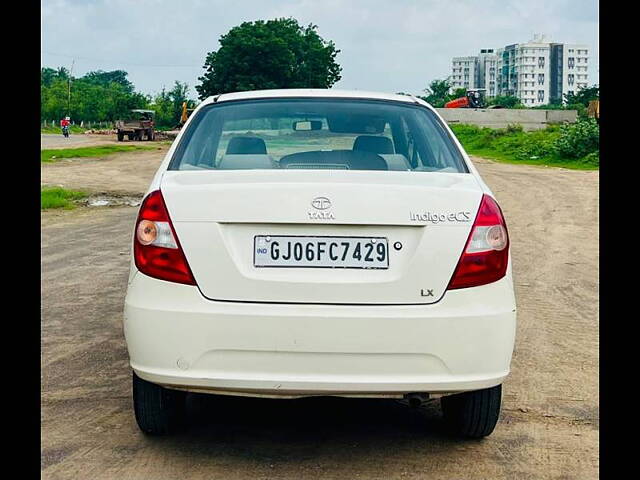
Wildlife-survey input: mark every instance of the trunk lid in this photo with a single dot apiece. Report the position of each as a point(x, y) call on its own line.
point(426, 218)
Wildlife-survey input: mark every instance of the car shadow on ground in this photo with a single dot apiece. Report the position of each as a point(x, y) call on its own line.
point(312, 429)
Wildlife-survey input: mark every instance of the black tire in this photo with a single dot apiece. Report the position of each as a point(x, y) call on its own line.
point(472, 414)
point(158, 410)
point(120, 136)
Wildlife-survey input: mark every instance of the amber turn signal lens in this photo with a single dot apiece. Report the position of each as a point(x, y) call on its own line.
point(146, 232)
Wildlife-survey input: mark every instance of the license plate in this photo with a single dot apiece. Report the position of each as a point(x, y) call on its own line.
point(320, 252)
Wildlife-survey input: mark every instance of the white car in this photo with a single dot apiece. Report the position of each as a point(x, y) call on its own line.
point(319, 242)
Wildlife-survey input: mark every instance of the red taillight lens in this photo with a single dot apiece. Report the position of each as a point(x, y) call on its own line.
point(156, 249)
point(486, 252)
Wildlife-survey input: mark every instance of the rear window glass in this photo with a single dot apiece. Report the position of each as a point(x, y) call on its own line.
point(341, 134)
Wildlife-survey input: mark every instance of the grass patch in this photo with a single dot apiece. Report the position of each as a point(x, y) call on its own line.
point(57, 197)
point(573, 146)
point(51, 155)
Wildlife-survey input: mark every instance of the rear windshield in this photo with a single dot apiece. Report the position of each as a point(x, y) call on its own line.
point(333, 134)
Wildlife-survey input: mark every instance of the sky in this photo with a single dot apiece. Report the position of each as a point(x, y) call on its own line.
point(387, 46)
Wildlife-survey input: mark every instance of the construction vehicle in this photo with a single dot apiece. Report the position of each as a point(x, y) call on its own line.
point(472, 99)
point(185, 114)
point(139, 124)
point(594, 110)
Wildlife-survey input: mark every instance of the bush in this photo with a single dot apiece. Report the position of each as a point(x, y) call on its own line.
point(572, 146)
point(579, 139)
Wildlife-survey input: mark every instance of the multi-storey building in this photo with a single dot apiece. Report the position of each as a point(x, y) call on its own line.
point(464, 72)
point(537, 72)
point(575, 60)
point(487, 74)
point(524, 72)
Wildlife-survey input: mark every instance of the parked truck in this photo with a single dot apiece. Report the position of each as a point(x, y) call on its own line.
point(138, 124)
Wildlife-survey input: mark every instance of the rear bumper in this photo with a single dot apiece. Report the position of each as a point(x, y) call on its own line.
point(178, 338)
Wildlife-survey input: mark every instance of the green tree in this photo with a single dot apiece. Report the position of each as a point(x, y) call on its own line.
point(53, 100)
point(47, 76)
point(178, 95)
point(103, 78)
point(96, 96)
point(62, 73)
point(270, 54)
point(437, 93)
point(459, 92)
point(583, 96)
point(168, 104)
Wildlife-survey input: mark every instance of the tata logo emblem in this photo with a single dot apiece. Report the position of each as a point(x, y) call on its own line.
point(321, 203)
point(321, 212)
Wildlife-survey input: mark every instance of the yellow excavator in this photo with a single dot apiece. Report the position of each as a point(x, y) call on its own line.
point(185, 114)
point(594, 110)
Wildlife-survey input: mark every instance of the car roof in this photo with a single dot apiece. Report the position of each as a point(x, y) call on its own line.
point(309, 93)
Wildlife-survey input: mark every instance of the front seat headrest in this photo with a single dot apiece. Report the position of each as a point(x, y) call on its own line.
point(246, 146)
point(373, 144)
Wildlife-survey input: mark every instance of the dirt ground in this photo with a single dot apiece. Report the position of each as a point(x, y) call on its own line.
point(549, 423)
point(122, 173)
point(75, 140)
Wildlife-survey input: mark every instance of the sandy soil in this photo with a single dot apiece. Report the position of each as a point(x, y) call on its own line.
point(549, 423)
point(119, 173)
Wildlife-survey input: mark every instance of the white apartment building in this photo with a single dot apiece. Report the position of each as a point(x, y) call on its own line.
point(524, 72)
point(464, 72)
point(537, 72)
point(475, 72)
point(487, 71)
point(575, 60)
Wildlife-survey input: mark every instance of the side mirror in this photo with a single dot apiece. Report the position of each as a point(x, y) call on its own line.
point(307, 125)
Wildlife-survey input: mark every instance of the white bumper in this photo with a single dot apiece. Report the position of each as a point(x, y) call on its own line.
point(178, 338)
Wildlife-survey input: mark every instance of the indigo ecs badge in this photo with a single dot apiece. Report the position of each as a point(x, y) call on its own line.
point(431, 217)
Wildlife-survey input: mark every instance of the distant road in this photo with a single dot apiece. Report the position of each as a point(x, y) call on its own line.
point(51, 140)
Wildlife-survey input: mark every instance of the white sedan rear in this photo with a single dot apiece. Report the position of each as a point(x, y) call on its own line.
point(319, 242)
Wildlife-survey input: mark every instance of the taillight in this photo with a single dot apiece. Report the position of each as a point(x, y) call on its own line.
point(156, 248)
point(486, 253)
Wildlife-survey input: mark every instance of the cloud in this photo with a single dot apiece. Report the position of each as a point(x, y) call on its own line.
point(385, 46)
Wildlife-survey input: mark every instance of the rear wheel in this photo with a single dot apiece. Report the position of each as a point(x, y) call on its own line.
point(158, 410)
point(472, 414)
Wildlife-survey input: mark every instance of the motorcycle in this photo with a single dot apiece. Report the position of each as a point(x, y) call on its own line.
point(65, 131)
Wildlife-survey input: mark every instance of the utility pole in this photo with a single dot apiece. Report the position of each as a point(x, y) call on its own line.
point(69, 89)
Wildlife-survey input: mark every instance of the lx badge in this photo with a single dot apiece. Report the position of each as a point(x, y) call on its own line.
point(428, 294)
